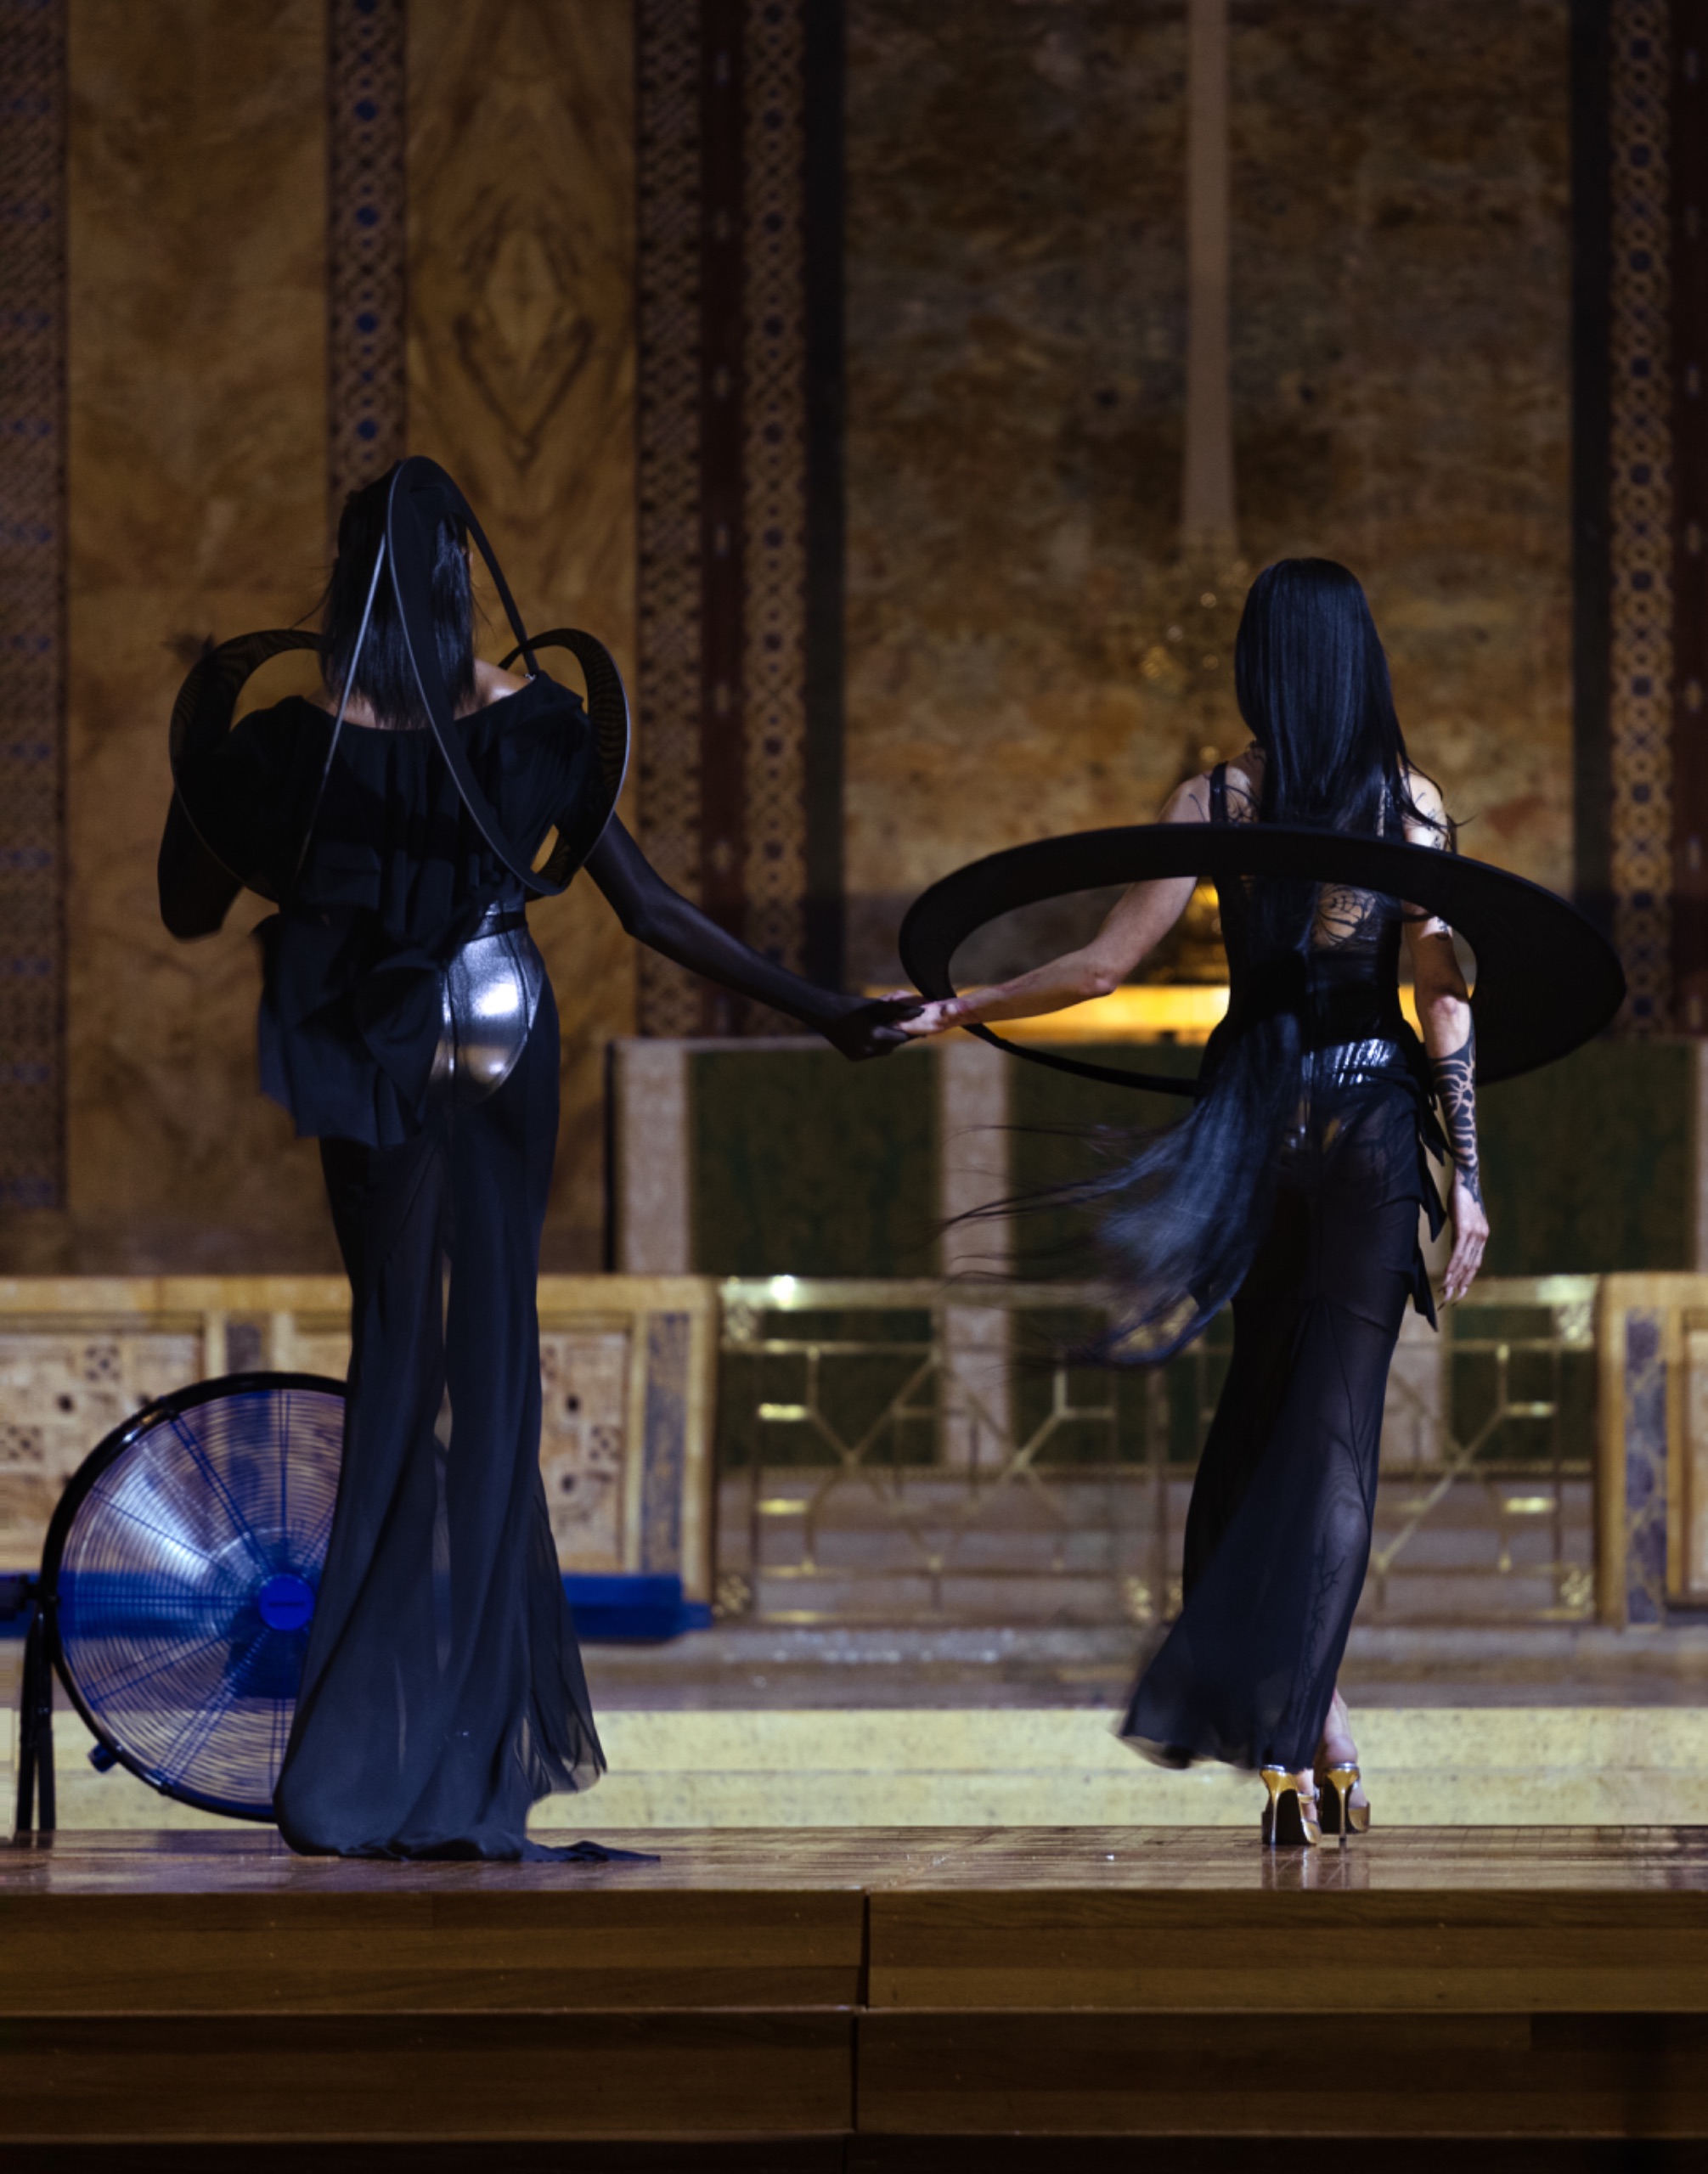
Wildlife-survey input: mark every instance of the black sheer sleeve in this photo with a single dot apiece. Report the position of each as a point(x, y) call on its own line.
point(655, 914)
point(195, 890)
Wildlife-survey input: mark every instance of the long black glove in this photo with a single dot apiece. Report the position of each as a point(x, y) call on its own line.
point(655, 914)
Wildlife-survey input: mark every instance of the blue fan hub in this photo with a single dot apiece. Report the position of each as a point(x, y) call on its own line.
point(285, 1602)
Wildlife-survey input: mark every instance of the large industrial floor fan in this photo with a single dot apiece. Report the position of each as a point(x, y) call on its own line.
point(176, 1587)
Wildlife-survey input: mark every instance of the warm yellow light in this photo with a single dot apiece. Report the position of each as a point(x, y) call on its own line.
point(1138, 1012)
point(1143, 1011)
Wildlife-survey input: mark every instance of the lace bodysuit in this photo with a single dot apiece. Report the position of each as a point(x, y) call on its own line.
point(1352, 1022)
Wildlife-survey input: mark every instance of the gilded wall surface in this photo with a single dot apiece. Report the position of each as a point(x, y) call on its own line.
point(197, 428)
point(521, 382)
point(196, 334)
point(1025, 655)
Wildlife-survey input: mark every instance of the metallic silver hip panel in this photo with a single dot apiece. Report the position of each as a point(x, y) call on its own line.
point(488, 995)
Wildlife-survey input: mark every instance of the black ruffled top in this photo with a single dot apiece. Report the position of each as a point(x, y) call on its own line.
point(395, 878)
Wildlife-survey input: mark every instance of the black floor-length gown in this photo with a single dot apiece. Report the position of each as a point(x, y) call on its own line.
point(1277, 1537)
point(443, 1692)
point(442, 1687)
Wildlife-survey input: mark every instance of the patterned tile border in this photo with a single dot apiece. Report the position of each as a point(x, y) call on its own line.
point(1645, 1467)
point(1688, 165)
point(774, 423)
point(668, 37)
point(723, 539)
point(367, 387)
point(724, 697)
point(664, 1445)
point(32, 600)
point(1641, 509)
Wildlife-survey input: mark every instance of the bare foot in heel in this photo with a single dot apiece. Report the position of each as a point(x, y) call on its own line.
point(1338, 1786)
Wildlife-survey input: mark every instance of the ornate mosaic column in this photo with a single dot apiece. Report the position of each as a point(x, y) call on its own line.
point(1641, 309)
point(1640, 524)
point(367, 389)
point(32, 601)
point(738, 715)
point(1686, 163)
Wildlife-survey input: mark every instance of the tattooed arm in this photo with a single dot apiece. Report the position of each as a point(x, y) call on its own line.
point(1444, 1012)
point(1455, 1089)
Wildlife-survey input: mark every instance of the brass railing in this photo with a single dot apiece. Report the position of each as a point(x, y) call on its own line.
point(1513, 1431)
point(883, 1456)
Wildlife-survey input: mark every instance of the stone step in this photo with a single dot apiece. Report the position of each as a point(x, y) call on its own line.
point(856, 1505)
point(916, 1599)
point(1057, 1767)
point(1130, 1550)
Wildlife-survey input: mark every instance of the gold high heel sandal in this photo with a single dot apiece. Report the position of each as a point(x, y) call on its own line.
point(1340, 1815)
point(1286, 1823)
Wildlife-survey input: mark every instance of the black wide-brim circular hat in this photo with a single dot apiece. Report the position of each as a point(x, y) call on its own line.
point(1547, 980)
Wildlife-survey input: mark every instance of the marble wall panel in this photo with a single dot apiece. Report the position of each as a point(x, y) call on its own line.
point(1025, 656)
point(521, 382)
point(1016, 277)
point(197, 432)
point(1402, 393)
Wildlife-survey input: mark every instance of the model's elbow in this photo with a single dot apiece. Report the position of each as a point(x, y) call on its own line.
point(1438, 996)
point(1093, 980)
point(639, 923)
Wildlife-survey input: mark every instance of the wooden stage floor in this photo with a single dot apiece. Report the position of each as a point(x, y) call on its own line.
point(857, 1999)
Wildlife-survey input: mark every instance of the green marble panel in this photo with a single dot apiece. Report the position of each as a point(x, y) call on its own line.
point(1589, 1164)
point(1061, 1122)
point(805, 1164)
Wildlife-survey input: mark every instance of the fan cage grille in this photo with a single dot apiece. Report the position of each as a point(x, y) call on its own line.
point(164, 1544)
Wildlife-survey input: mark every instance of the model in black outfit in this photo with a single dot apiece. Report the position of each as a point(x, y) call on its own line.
point(1294, 1188)
point(443, 1693)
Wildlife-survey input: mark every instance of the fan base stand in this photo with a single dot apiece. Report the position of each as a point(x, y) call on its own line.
point(37, 1810)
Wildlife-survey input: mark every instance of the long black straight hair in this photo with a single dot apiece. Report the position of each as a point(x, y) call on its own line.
point(1311, 678)
point(1312, 683)
point(1181, 1212)
point(383, 676)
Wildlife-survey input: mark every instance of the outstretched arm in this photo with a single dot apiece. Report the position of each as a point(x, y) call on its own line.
point(195, 890)
point(655, 914)
point(1137, 922)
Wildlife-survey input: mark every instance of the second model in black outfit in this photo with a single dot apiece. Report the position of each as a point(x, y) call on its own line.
point(1277, 1537)
point(1292, 1188)
point(443, 1693)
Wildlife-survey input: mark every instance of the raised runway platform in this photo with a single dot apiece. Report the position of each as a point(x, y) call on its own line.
point(856, 1999)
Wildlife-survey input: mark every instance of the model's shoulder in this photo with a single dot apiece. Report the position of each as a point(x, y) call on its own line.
point(1189, 801)
point(1426, 819)
point(494, 683)
point(523, 702)
point(1244, 774)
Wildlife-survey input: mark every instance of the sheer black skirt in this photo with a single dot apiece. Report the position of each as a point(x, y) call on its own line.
point(1277, 1537)
point(443, 1691)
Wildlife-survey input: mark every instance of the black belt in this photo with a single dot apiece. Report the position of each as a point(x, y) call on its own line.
point(1352, 1064)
